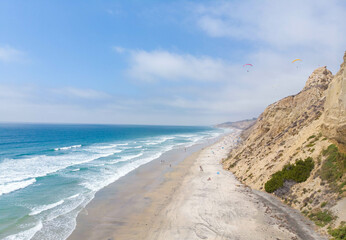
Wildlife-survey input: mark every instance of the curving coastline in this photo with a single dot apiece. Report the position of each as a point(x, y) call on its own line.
point(187, 203)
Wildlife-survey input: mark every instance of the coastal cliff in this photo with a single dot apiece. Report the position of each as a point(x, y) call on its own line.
point(242, 125)
point(296, 149)
point(334, 125)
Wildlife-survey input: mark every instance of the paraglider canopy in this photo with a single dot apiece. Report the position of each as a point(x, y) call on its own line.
point(298, 64)
point(247, 66)
point(296, 60)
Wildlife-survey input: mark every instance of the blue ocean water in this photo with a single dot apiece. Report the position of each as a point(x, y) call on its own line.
point(48, 173)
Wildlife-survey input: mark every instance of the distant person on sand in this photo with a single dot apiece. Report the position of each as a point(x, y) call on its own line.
point(200, 167)
point(209, 179)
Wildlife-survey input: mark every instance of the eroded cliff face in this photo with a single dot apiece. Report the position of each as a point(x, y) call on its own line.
point(334, 125)
point(277, 129)
point(296, 127)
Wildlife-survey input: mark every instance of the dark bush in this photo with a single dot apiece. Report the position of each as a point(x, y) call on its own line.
point(275, 182)
point(298, 172)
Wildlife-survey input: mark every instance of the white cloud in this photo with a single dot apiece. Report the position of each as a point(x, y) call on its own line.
point(280, 23)
point(82, 93)
point(118, 49)
point(210, 89)
point(214, 88)
point(9, 54)
point(313, 30)
point(35, 104)
point(163, 65)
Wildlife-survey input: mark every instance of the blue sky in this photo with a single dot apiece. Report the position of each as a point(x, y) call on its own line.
point(160, 62)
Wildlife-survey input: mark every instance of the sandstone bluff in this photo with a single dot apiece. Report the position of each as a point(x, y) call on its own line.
point(308, 125)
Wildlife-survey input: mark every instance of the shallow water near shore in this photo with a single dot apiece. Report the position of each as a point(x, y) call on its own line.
point(115, 205)
point(50, 172)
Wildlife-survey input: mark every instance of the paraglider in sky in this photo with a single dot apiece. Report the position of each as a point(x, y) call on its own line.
point(296, 60)
point(247, 66)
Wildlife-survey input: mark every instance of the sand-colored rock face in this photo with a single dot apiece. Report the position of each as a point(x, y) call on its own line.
point(334, 125)
point(244, 124)
point(286, 131)
point(285, 118)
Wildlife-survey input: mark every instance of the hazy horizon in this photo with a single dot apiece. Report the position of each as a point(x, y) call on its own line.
point(110, 124)
point(160, 63)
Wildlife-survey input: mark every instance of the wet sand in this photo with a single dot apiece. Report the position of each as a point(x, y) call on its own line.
point(139, 194)
point(182, 202)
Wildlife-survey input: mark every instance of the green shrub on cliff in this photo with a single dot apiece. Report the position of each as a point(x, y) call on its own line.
point(338, 233)
point(275, 182)
point(298, 172)
point(333, 168)
point(321, 218)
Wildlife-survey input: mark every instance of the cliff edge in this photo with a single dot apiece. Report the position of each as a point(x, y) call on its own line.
point(334, 125)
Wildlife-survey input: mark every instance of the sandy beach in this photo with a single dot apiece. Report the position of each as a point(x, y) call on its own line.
point(193, 199)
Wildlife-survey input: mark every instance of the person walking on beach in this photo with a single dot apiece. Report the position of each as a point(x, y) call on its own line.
point(200, 167)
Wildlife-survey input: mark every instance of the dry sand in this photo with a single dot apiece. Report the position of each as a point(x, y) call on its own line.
point(210, 204)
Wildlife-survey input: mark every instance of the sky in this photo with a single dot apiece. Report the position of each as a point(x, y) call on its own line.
point(160, 62)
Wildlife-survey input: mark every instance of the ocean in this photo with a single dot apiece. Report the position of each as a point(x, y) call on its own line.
point(48, 173)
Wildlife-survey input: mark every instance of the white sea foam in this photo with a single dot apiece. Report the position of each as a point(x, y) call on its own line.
point(138, 147)
point(129, 157)
point(15, 172)
point(39, 209)
point(75, 170)
point(66, 148)
point(158, 141)
point(109, 176)
point(27, 234)
point(185, 135)
point(13, 186)
point(61, 222)
point(110, 146)
point(73, 196)
point(70, 205)
point(106, 151)
point(126, 158)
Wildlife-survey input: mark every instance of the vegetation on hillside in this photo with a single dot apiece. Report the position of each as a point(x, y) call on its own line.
point(298, 172)
point(333, 168)
point(321, 218)
point(338, 233)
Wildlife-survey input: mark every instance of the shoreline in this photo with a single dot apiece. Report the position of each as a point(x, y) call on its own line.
point(187, 203)
point(100, 219)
